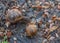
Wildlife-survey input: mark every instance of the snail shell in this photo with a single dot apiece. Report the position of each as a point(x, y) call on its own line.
point(31, 30)
point(13, 14)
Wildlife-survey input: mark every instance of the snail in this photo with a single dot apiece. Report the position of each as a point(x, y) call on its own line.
point(13, 15)
point(31, 30)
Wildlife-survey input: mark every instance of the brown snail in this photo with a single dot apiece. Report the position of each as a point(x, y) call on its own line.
point(31, 30)
point(13, 15)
